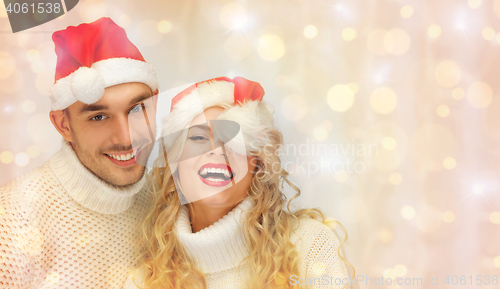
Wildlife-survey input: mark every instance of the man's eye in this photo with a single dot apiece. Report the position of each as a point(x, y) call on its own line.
point(98, 117)
point(136, 108)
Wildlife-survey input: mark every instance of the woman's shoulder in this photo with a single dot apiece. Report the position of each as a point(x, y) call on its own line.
point(311, 230)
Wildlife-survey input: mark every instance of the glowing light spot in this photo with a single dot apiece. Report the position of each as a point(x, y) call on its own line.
point(495, 218)
point(331, 223)
point(389, 143)
point(395, 179)
point(280, 279)
point(449, 163)
point(271, 47)
point(30, 240)
point(349, 34)
point(479, 94)
point(397, 41)
point(447, 73)
point(233, 16)
point(376, 42)
point(443, 110)
point(458, 93)
point(310, 31)
point(496, 261)
point(434, 31)
point(383, 100)
point(400, 270)
point(6, 157)
point(408, 212)
point(448, 217)
point(489, 33)
point(320, 133)
point(318, 268)
point(32, 55)
point(340, 98)
point(353, 87)
point(474, 4)
point(341, 176)
point(294, 107)
point(164, 26)
point(22, 159)
point(389, 273)
point(385, 236)
point(406, 11)
point(33, 151)
point(2, 211)
point(52, 278)
point(28, 106)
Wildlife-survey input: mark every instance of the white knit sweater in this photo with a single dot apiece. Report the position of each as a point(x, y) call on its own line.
point(219, 248)
point(62, 227)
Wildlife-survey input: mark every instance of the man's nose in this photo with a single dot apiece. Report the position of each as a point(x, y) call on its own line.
point(121, 131)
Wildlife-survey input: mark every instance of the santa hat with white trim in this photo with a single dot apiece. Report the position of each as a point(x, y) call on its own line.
point(241, 99)
point(93, 56)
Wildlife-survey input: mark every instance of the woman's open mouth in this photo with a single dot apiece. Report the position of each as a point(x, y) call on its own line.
point(216, 175)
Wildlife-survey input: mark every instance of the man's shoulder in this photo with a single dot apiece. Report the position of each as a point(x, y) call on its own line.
point(29, 181)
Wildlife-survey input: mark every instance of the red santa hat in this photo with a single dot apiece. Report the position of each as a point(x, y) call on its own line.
point(242, 99)
point(93, 56)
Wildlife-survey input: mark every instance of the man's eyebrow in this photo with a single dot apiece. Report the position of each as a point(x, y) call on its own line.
point(93, 107)
point(98, 107)
point(141, 97)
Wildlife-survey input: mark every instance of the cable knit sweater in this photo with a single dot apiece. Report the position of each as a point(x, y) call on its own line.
point(218, 249)
point(62, 227)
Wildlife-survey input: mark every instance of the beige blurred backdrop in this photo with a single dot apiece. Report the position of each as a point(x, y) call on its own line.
point(389, 109)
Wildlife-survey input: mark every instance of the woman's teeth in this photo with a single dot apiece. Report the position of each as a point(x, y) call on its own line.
point(206, 171)
point(123, 157)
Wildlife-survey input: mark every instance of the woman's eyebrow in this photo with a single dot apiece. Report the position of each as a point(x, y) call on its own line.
point(200, 126)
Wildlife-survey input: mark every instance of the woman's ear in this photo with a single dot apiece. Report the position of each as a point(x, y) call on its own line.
point(60, 120)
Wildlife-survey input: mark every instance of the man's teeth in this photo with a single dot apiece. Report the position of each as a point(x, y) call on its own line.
point(123, 157)
point(205, 171)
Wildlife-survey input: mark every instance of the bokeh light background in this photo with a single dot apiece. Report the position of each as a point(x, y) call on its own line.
point(417, 80)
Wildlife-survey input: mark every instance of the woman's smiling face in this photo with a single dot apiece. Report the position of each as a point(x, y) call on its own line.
point(209, 172)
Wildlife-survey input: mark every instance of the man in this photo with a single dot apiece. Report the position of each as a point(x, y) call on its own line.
point(75, 221)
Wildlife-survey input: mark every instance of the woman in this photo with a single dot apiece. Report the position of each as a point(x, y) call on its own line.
point(235, 231)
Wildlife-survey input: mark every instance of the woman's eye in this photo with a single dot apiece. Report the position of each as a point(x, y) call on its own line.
point(136, 108)
point(98, 117)
point(198, 138)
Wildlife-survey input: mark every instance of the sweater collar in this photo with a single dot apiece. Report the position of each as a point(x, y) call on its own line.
point(87, 189)
point(222, 245)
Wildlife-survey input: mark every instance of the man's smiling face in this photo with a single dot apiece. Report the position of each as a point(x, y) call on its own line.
point(103, 136)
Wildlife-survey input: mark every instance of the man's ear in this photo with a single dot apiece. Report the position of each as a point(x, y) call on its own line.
point(155, 99)
point(60, 120)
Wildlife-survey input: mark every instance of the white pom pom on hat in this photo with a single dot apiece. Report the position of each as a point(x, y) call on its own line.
point(81, 89)
point(93, 56)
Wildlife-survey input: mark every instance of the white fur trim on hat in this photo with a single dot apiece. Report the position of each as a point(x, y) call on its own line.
point(254, 117)
point(87, 84)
